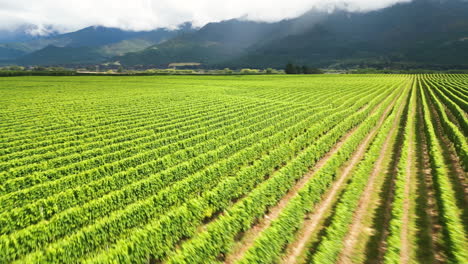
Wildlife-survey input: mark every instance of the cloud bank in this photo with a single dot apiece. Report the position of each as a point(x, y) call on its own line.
point(70, 15)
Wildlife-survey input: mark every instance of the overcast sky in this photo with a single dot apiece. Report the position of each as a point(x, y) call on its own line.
point(70, 15)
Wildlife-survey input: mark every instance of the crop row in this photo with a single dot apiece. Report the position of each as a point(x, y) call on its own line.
point(147, 165)
point(331, 242)
point(396, 222)
point(451, 130)
point(160, 238)
point(112, 169)
point(457, 112)
point(125, 151)
point(111, 136)
point(268, 246)
point(225, 166)
point(445, 194)
point(63, 134)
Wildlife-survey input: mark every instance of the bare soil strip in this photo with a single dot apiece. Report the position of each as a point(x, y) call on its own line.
point(249, 237)
point(365, 200)
point(313, 220)
point(367, 229)
point(405, 251)
point(376, 245)
point(458, 176)
point(429, 248)
point(451, 116)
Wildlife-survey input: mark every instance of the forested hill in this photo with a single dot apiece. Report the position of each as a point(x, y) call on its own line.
point(421, 33)
point(88, 45)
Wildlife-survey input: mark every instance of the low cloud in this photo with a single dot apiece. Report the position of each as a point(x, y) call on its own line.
point(65, 16)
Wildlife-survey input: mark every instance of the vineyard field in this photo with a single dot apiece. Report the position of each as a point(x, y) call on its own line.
point(234, 169)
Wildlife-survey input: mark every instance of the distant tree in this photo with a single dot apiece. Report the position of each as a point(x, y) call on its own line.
point(227, 71)
point(290, 69)
point(249, 71)
point(293, 69)
point(269, 71)
point(317, 71)
point(56, 69)
point(16, 68)
point(40, 68)
point(121, 69)
point(299, 70)
point(313, 71)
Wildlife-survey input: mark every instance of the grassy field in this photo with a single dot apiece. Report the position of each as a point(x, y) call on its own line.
point(234, 169)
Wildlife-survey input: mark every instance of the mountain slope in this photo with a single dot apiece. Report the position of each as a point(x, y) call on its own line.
point(212, 43)
point(8, 53)
point(90, 36)
point(105, 42)
point(52, 55)
point(421, 32)
point(87, 46)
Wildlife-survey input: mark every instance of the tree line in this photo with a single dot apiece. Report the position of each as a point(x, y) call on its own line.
point(297, 69)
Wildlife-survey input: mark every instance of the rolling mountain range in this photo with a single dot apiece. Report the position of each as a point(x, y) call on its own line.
point(86, 46)
point(421, 33)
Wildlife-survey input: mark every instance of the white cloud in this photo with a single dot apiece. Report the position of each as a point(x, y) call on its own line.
point(69, 15)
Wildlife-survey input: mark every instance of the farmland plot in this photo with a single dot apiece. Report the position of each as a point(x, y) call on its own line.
point(234, 169)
